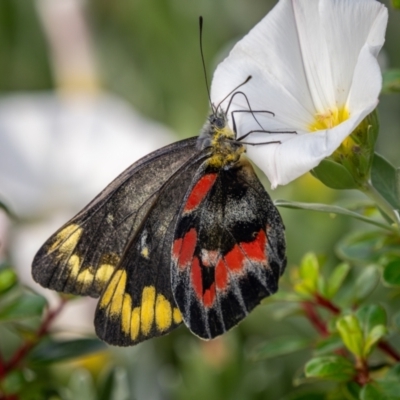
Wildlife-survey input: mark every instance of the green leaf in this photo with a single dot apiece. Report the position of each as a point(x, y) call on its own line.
point(309, 274)
point(8, 279)
point(279, 346)
point(328, 345)
point(334, 175)
point(81, 385)
point(335, 368)
point(51, 351)
point(381, 391)
point(396, 320)
point(373, 337)
point(7, 210)
point(350, 331)
point(391, 78)
point(330, 210)
point(304, 394)
point(367, 247)
point(336, 279)
point(391, 273)
point(115, 386)
point(365, 283)
point(27, 305)
point(384, 180)
point(370, 316)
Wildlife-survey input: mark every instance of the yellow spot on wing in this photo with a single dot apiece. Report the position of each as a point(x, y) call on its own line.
point(118, 296)
point(177, 316)
point(109, 293)
point(163, 313)
point(145, 252)
point(135, 323)
point(86, 277)
point(74, 264)
point(67, 239)
point(147, 309)
point(126, 313)
point(104, 273)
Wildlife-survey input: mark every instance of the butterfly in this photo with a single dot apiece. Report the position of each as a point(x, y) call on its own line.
point(187, 234)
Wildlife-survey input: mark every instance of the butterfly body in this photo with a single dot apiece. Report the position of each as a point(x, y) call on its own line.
point(186, 234)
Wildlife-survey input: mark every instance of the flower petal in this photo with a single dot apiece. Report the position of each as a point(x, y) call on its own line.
point(298, 154)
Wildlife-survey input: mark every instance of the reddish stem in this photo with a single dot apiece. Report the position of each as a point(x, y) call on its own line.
point(28, 345)
point(315, 319)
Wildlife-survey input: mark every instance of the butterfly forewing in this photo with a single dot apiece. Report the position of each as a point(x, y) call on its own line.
point(138, 302)
point(82, 256)
point(228, 251)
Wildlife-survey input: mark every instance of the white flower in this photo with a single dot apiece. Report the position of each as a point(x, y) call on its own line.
point(313, 64)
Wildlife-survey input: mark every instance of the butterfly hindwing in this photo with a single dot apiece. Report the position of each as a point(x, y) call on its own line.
point(138, 303)
point(83, 255)
point(228, 251)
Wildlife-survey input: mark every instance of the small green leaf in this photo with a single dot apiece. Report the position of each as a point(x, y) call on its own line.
point(116, 385)
point(393, 374)
point(335, 368)
point(373, 337)
point(51, 351)
point(396, 320)
point(336, 279)
point(309, 274)
point(391, 78)
point(367, 247)
point(350, 331)
point(8, 278)
point(391, 273)
point(81, 385)
point(7, 210)
point(328, 345)
point(398, 184)
point(365, 283)
point(334, 175)
point(370, 316)
point(384, 180)
point(304, 394)
point(381, 391)
point(27, 305)
point(279, 346)
point(330, 210)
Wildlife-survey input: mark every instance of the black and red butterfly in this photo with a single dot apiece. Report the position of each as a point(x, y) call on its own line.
point(186, 234)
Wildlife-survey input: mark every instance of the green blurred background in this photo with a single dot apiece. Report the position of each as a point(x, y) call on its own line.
point(147, 53)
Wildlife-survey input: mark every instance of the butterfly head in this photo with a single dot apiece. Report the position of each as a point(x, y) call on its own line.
point(218, 137)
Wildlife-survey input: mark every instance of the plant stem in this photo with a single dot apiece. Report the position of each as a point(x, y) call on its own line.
point(28, 345)
point(314, 318)
point(381, 202)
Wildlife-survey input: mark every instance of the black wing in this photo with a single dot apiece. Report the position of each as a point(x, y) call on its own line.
point(138, 303)
point(82, 256)
point(228, 251)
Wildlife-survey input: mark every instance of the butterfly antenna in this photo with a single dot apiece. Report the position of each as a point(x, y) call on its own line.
point(232, 91)
point(203, 62)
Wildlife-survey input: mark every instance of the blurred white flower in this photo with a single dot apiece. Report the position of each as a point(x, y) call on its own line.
point(313, 64)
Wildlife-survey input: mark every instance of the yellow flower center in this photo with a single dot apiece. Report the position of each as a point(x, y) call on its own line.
point(329, 119)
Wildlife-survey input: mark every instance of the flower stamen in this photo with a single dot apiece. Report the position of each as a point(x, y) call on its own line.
point(329, 119)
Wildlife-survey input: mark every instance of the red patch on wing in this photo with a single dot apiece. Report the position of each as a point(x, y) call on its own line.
point(186, 249)
point(176, 248)
point(255, 250)
point(221, 275)
point(234, 259)
point(199, 191)
point(197, 280)
point(209, 296)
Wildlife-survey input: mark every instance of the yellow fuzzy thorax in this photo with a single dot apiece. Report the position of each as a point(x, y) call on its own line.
point(225, 150)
